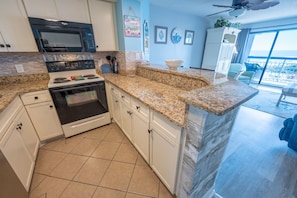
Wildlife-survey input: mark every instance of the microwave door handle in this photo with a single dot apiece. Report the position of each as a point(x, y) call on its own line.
point(71, 88)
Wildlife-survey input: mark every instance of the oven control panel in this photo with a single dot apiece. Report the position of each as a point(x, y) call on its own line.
point(59, 66)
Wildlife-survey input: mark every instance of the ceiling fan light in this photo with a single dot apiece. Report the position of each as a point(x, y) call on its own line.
point(237, 12)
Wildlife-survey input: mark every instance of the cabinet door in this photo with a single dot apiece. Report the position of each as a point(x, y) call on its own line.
point(17, 155)
point(15, 28)
point(164, 149)
point(126, 114)
point(42, 9)
point(104, 25)
point(45, 120)
point(116, 110)
point(28, 133)
point(141, 136)
point(73, 10)
point(140, 128)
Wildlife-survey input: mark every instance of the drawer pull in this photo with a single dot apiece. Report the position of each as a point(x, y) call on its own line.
point(2, 46)
point(129, 112)
point(137, 107)
point(51, 106)
point(36, 97)
point(116, 101)
point(123, 96)
point(149, 130)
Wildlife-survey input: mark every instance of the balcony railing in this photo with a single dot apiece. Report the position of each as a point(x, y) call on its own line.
point(278, 72)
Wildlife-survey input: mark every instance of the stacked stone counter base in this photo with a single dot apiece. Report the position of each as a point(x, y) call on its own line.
point(207, 138)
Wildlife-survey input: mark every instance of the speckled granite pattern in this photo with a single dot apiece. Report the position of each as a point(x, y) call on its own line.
point(216, 98)
point(159, 97)
point(9, 91)
point(173, 78)
point(221, 98)
point(4, 80)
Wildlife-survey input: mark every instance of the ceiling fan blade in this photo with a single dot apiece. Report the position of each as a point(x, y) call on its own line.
point(219, 12)
point(222, 6)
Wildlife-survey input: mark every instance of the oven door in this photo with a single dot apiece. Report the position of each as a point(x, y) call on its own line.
point(81, 101)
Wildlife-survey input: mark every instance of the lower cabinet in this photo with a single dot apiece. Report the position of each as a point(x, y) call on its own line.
point(20, 142)
point(42, 112)
point(156, 138)
point(165, 149)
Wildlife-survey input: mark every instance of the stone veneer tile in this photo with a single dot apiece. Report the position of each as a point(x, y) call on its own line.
point(207, 137)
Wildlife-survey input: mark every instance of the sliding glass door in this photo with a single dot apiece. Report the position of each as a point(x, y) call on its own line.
point(273, 56)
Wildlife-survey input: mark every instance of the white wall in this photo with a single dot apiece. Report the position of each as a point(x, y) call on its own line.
point(191, 54)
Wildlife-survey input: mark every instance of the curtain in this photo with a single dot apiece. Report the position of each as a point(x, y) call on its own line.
point(243, 46)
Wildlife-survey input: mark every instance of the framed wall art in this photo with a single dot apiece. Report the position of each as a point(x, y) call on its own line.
point(161, 34)
point(189, 37)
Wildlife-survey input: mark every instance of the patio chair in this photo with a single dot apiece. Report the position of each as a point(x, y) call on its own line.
point(238, 72)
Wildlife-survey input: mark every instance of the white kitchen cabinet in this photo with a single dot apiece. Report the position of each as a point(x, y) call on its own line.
point(140, 128)
point(65, 10)
point(219, 47)
point(15, 31)
point(19, 142)
point(126, 114)
point(165, 149)
point(42, 112)
point(116, 106)
point(104, 25)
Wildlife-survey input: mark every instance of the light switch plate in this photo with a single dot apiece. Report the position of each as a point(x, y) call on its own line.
point(19, 68)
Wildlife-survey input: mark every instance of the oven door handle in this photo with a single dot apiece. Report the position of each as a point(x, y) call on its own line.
point(72, 88)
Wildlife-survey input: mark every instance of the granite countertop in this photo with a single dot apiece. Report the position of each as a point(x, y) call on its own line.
point(159, 97)
point(219, 96)
point(18, 85)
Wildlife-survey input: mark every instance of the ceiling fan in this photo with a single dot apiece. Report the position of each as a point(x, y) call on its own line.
point(239, 7)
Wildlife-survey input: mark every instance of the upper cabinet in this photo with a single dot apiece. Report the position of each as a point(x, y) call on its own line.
point(104, 25)
point(15, 31)
point(64, 10)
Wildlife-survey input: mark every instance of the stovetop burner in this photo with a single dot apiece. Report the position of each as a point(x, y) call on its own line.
point(90, 76)
point(61, 80)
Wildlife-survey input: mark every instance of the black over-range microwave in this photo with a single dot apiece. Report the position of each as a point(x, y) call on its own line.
point(62, 36)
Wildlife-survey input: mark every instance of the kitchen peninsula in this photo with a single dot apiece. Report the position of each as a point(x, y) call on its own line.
point(200, 103)
point(203, 103)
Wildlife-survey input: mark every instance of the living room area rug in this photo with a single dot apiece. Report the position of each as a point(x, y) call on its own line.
point(266, 101)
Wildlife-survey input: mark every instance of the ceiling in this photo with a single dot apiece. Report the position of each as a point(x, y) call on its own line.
point(202, 8)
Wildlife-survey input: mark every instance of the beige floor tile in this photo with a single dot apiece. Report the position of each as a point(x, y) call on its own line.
point(164, 192)
point(92, 171)
point(115, 134)
point(126, 140)
point(117, 176)
point(126, 153)
point(36, 180)
point(68, 144)
point(144, 182)
point(69, 167)
point(105, 192)
point(78, 190)
point(131, 195)
point(106, 150)
point(47, 161)
point(140, 161)
point(86, 147)
point(50, 188)
point(98, 133)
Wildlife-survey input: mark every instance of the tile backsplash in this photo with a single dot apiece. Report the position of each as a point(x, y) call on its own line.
point(34, 62)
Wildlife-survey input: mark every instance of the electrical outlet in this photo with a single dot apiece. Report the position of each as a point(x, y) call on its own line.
point(19, 68)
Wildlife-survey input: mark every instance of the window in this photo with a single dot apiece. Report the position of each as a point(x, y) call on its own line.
point(275, 54)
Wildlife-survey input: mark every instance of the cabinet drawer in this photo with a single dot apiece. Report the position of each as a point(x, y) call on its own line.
point(115, 91)
point(139, 108)
point(36, 97)
point(125, 98)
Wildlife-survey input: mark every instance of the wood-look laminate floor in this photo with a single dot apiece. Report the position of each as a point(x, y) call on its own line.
point(256, 163)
